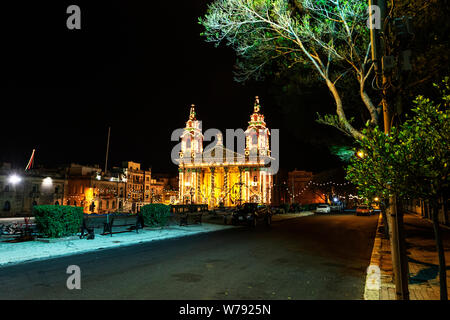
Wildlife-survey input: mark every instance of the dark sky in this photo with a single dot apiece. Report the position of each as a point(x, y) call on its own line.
point(134, 66)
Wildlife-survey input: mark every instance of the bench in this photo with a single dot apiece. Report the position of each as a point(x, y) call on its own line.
point(90, 235)
point(22, 230)
point(109, 224)
point(196, 219)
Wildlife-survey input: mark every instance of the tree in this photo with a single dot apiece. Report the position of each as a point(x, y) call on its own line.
point(412, 161)
point(367, 169)
point(329, 38)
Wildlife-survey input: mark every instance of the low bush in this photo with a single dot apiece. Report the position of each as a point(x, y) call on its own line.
point(286, 207)
point(155, 214)
point(55, 221)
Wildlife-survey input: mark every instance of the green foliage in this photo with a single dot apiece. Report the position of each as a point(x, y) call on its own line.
point(286, 207)
point(278, 34)
point(58, 221)
point(412, 161)
point(327, 38)
point(155, 214)
point(295, 207)
point(345, 153)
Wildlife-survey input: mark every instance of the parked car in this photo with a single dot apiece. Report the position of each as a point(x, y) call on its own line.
point(252, 214)
point(364, 210)
point(323, 208)
point(336, 208)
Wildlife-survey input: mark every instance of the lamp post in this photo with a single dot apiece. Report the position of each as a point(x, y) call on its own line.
point(14, 179)
point(395, 221)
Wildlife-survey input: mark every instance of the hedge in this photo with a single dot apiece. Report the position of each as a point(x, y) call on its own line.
point(55, 221)
point(155, 214)
point(286, 207)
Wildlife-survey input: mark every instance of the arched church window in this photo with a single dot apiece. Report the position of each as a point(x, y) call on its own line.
point(188, 143)
point(254, 139)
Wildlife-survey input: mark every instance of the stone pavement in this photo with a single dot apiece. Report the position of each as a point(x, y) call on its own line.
point(422, 261)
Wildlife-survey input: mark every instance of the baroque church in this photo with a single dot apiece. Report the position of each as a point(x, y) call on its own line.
point(218, 176)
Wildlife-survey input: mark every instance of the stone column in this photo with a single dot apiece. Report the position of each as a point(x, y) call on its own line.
point(213, 198)
point(262, 175)
point(225, 185)
point(199, 191)
point(181, 185)
point(240, 185)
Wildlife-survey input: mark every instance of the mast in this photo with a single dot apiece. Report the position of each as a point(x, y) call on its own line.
point(107, 150)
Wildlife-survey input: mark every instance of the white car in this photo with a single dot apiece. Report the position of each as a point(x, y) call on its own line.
point(323, 208)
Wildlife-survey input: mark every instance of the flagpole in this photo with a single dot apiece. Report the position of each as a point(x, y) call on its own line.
point(107, 151)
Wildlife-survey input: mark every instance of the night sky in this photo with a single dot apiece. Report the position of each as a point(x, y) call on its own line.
point(137, 68)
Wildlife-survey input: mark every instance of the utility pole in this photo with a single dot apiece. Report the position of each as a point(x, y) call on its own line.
point(107, 151)
point(395, 220)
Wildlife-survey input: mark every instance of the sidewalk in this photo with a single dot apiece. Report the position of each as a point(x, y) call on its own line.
point(13, 253)
point(286, 216)
point(422, 261)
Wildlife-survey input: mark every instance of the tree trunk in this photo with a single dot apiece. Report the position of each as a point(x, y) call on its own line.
point(341, 114)
point(398, 249)
point(369, 105)
point(445, 208)
point(441, 252)
point(385, 223)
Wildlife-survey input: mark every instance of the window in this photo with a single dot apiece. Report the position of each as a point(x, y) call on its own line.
point(56, 189)
point(7, 188)
point(254, 139)
point(188, 143)
point(7, 206)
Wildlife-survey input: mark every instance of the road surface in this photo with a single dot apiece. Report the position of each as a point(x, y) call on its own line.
point(315, 257)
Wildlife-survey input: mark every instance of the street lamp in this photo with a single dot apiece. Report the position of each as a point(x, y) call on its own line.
point(47, 182)
point(14, 179)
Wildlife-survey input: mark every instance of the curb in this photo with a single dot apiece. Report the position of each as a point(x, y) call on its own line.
point(373, 278)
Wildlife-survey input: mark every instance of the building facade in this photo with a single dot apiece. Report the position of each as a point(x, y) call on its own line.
point(21, 190)
point(121, 189)
point(95, 191)
point(219, 176)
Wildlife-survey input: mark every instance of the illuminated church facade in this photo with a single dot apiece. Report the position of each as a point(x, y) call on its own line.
point(219, 176)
